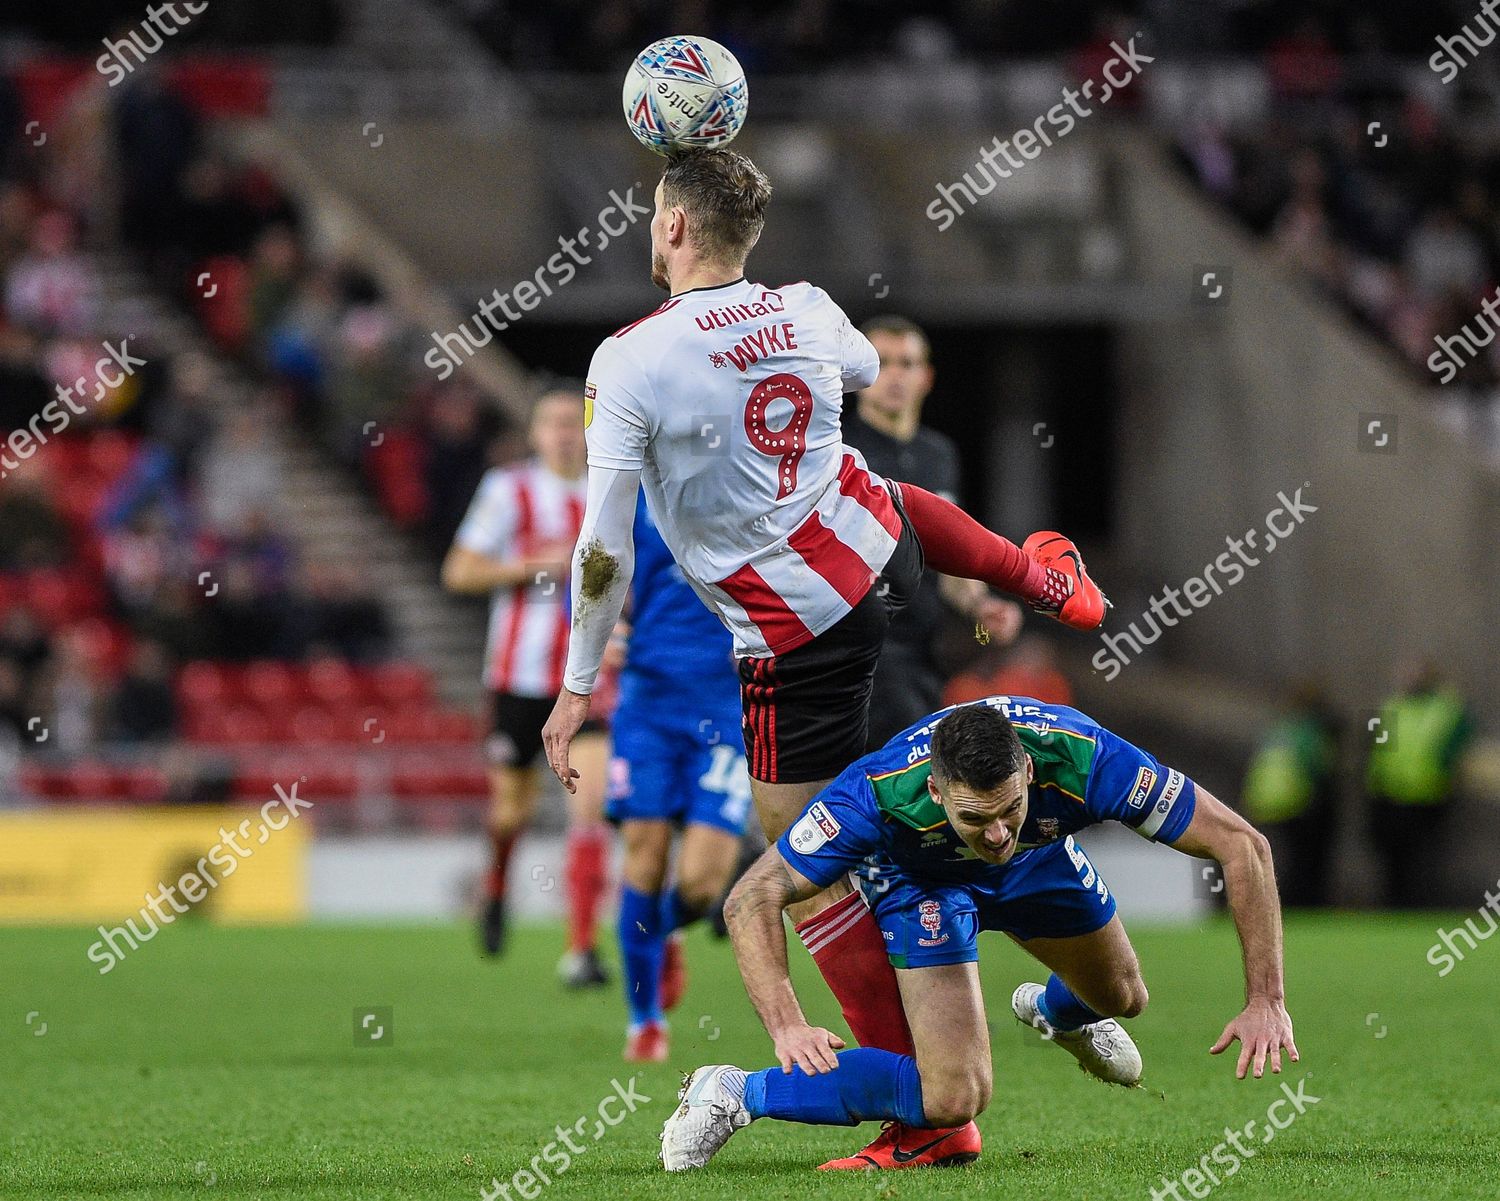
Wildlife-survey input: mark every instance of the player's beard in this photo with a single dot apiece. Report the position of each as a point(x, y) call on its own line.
point(659, 273)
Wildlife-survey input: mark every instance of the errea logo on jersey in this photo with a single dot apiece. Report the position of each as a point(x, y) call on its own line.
point(813, 829)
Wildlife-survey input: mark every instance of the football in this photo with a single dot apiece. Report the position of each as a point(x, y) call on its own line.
point(685, 93)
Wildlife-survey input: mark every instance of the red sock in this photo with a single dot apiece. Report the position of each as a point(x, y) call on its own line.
point(587, 873)
point(955, 544)
point(846, 945)
point(501, 845)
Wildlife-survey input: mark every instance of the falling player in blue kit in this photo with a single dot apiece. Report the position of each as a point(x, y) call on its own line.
point(679, 764)
point(960, 824)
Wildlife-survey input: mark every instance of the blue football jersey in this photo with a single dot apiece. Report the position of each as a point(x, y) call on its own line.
point(677, 644)
point(878, 811)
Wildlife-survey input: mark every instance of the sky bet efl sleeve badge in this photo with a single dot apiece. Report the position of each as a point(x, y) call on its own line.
point(589, 392)
point(813, 829)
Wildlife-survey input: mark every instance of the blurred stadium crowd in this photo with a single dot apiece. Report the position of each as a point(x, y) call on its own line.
point(152, 584)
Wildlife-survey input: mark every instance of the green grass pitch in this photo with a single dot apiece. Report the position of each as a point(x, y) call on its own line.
point(221, 1063)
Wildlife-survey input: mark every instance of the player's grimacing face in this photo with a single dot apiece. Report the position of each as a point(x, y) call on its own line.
point(988, 822)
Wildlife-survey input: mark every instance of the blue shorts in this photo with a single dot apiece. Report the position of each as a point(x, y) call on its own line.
point(1052, 892)
point(671, 765)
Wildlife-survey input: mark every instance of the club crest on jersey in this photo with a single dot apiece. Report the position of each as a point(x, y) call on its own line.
point(813, 829)
point(717, 360)
point(930, 917)
point(1046, 828)
point(1145, 781)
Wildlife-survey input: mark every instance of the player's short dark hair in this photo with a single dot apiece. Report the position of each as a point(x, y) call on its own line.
point(725, 196)
point(976, 746)
point(896, 326)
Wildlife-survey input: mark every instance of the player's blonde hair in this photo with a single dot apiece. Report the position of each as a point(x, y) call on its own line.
point(725, 196)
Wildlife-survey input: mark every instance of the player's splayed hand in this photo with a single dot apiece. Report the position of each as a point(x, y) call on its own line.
point(1071, 597)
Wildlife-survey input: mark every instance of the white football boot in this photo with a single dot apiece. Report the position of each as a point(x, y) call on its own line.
point(712, 1108)
point(1102, 1048)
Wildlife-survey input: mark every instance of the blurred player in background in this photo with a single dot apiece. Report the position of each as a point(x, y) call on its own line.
point(515, 544)
point(961, 824)
point(726, 401)
point(886, 428)
point(678, 765)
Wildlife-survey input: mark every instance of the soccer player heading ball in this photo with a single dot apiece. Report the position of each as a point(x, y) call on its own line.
point(726, 403)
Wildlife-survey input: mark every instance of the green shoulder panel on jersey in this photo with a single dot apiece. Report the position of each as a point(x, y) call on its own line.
point(1063, 758)
point(1063, 761)
point(902, 795)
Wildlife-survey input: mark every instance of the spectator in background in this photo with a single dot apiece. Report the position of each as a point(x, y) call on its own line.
point(183, 420)
point(1423, 732)
point(886, 428)
point(32, 532)
point(459, 427)
point(239, 474)
point(1291, 794)
point(1030, 669)
point(75, 693)
point(143, 707)
point(335, 614)
point(24, 643)
point(366, 382)
point(50, 288)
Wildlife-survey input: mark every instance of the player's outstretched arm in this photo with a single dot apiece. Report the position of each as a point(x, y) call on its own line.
point(753, 914)
point(603, 563)
point(1263, 1027)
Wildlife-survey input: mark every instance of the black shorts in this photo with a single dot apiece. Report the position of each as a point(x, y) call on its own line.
point(515, 738)
point(807, 711)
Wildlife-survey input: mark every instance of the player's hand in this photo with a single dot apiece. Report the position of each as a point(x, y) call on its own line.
point(811, 1048)
point(557, 735)
point(1263, 1029)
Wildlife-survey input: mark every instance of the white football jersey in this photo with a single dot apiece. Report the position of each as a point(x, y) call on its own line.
point(518, 512)
point(728, 400)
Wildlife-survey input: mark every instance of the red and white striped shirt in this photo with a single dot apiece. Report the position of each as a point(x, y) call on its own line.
point(519, 512)
point(728, 400)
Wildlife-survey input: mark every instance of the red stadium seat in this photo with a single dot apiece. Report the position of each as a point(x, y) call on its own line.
point(332, 682)
point(399, 684)
point(271, 686)
point(245, 725)
point(202, 683)
point(414, 725)
point(313, 726)
point(456, 728)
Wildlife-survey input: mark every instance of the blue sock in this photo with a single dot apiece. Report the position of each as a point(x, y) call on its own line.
point(867, 1085)
point(1062, 1009)
point(642, 945)
point(676, 912)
